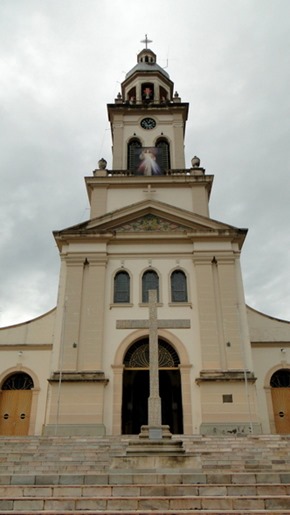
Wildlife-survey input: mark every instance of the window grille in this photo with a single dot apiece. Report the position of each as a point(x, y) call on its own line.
point(18, 381)
point(281, 379)
point(137, 355)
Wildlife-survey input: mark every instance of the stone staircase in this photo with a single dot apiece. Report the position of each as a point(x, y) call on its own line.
point(87, 475)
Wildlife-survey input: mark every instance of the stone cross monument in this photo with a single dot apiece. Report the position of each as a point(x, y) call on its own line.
point(155, 438)
point(154, 401)
point(154, 432)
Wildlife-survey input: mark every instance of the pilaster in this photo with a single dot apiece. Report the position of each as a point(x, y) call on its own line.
point(178, 144)
point(90, 345)
point(72, 313)
point(211, 336)
point(118, 143)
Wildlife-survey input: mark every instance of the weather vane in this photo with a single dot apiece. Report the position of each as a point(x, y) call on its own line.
point(146, 41)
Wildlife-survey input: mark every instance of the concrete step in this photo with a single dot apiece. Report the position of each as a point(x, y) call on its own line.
point(216, 452)
point(147, 512)
point(61, 475)
point(137, 504)
point(141, 490)
point(149, 490)
point(72, 454)
point(162, 498)
point(157, 477)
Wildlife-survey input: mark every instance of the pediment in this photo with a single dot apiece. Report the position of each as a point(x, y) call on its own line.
point(152, 222)
point(149, 217)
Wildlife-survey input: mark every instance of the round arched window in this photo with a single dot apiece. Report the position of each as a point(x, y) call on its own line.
point(281, 379)
point(18, 381)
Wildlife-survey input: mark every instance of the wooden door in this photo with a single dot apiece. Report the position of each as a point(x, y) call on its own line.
point(15, 406)
point(281, 409)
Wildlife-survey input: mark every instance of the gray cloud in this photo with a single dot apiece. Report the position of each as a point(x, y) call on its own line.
point(61, 62)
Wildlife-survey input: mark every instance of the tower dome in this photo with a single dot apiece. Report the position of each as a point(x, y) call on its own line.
point(146, 62)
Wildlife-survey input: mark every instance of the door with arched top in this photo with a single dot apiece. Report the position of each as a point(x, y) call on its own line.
point(280, 392)
point(136, 387)
point(15, 404)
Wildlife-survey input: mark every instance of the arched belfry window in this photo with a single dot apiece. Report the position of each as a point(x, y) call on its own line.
point(150, 281)
point(121, 287)
point(133, 160)
point(131, 96)
point(163, 95)
point(147, 92)
point(178, 286)
point(163, 154)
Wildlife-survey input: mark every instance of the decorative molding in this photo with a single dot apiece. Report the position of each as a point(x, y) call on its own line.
point(140, 358)
point(145, 324)
point(225, 375)
point(73, 377)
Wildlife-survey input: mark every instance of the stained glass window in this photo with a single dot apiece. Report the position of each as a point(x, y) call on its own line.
point(178, 286)
point(150, 281)
point(122, 287)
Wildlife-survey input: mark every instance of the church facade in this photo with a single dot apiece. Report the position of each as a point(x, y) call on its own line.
point(83, 368)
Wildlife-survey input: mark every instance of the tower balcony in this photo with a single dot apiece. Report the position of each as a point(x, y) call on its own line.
point(165, 173)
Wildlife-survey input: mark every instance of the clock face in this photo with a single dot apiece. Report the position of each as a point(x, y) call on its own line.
point(148, 123)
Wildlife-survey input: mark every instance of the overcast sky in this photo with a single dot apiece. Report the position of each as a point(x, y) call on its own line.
point(62, 61)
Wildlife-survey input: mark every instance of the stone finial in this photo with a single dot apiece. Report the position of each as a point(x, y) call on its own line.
point(102, 163)
point(101, 170)
point(118, 99)
point(195, 162)
point(176, 98)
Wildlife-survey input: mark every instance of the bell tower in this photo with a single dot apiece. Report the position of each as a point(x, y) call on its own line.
point(147, 114)
point(148, 121)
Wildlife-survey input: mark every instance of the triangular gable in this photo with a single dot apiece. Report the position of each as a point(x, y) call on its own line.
point(149, 216)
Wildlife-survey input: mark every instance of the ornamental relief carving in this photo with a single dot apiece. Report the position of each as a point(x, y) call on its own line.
point(151, 223)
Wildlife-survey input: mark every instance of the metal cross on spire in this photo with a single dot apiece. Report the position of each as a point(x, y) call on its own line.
point(146, 41)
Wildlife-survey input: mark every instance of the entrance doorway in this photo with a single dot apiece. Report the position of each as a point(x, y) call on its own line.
point(15, 405)
point(136, 387)
point(280, 391)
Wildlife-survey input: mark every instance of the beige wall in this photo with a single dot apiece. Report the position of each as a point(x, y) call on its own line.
point(27, 348)
point(187, 192)
point(271, 352)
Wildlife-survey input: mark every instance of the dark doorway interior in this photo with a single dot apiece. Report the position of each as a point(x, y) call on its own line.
point(135, 400)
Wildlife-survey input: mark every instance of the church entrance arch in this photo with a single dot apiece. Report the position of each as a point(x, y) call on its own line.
point(15, 404)
point(136, 387)
point(280, 392)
